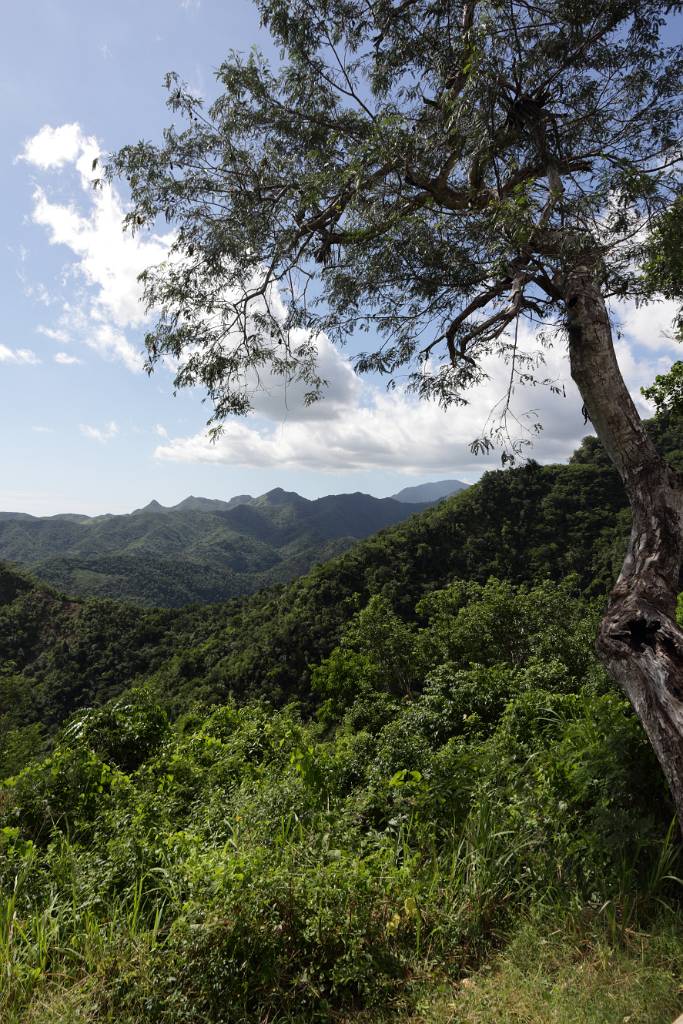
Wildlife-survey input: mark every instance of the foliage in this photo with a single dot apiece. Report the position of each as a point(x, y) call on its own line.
point(467, 762)
point(186, 554)
point(573, 972)
point(310, 804)
point(526, 524)
point(667, 390)
point(663, 266)
point(125, 731)
point(455, 756)
point(428, 173)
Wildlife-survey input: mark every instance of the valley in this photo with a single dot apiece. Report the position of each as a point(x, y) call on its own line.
point(202, 549)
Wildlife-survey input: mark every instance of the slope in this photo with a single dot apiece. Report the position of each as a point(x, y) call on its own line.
point(198, 551)
point(525, 524)
point(451, 787)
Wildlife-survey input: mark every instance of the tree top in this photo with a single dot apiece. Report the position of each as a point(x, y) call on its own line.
point(427, 172)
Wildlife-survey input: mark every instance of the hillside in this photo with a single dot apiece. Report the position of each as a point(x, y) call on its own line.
point(530, 523)
point(344, 797)
point(526, 524)
point(201, 550)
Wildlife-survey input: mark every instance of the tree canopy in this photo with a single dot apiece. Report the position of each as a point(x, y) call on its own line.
point(423, 171)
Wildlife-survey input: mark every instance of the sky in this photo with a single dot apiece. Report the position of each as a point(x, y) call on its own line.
point(82, 427)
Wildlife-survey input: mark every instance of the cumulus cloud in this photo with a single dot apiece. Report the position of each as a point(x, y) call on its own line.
point(280, 400)
point(109, 316)
point(54, 148)
point(18, 355)
point(365, 427)
point(358, 425)
point(113, 344)
point(650, 325)
point(160, 430)
point(102, 434)
point(64, 359)
point(55, 334)
point(107, 261)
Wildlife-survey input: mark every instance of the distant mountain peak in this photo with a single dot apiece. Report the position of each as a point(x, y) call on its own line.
point(153, 506)
point(240, 499)
point(279, 496)
point(202, 549)
point(432, 491)
point(195, 504)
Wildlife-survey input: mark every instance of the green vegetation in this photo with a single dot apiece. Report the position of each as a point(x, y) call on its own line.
point(243, 861)
point(560, 972)
point(530, 523)
point(198, 551)
point(60, 654)
point(427, 174)
point(398, 789)
point(402, 787)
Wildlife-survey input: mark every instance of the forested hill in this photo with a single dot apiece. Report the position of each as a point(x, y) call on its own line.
point(200, 550)
point(524, 524)
point(433, 749)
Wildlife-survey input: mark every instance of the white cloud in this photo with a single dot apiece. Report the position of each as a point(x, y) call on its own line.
point(53, 148)
point(96, 434)
point(55, 334)
point(650, 325)
point(106, 260)
point(394, 433)
point(113, 344)
point(18, 355)
point(357, 425)
point(368, 428)
point(364, 427)
point(64, 359)
point(160, 430)
point(276, 399)
point(110, 314)
point(42, 430)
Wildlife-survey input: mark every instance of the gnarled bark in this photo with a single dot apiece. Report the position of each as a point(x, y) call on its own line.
point(640, 642)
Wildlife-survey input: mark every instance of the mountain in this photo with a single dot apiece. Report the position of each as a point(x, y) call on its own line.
point(524, 524)
point(193, 504)
point(528, 523)
point(200, 550)
point(430, 492)
point(280, 801)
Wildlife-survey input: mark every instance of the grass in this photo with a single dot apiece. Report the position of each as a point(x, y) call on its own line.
point(563, 970)
point(73, 1005)
point(569, 973)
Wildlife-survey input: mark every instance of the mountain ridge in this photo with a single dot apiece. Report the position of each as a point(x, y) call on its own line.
point(434, 490)
point(200, 550)
point(438, 489)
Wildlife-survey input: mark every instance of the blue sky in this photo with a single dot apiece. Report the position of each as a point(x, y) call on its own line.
point(82, 428)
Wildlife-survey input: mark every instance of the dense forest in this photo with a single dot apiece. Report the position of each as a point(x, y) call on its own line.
point(400, 787)
point(200, 550)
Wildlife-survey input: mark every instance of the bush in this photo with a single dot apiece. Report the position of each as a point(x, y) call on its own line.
point(124, 731)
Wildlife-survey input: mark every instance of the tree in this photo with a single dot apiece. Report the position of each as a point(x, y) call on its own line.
point(431, 172)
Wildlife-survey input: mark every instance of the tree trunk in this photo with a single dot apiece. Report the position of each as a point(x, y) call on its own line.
point(639, 642)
